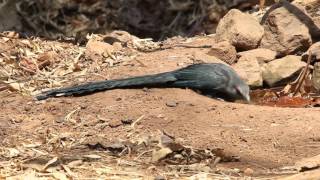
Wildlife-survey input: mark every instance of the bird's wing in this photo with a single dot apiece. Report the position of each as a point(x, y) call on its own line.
point(201, 77)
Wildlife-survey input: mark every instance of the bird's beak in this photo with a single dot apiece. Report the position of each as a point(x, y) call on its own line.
point(247, 98)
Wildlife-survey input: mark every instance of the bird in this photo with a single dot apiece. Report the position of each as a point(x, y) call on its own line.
point(216, 80)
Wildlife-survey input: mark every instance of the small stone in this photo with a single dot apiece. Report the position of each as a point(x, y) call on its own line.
point(115, 123)
point(83, 106)
point(171, 104)
point(248, 171)
point(18, 120)
point(27, 108)
point(146, 89)
point(59, 120)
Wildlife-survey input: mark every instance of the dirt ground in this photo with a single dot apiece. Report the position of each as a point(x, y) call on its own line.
point(264, 138)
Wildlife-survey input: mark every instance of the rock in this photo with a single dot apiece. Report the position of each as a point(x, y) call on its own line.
point(281, 69)
point(27, 108)
point(115, 123)
point(261, 55)
point(249, 70)
point(308, 163)
point(240, 29)
point(248, 172)
point(202, 57)
point(224, 51)
point(315, 52)
point(308, 12)
point(172, 104)
point(316, 76)
point(285, 33)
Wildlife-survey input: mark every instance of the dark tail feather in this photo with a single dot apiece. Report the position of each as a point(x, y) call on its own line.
point(140, 81)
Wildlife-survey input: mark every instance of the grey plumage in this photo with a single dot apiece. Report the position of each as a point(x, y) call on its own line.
point(215, 79)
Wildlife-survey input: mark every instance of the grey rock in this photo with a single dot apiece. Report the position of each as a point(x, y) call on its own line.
point(171, 104)
point(279, 70)
point(249, 70)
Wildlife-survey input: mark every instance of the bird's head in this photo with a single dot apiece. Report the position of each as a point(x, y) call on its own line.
point(238, 89)
point(234, 88)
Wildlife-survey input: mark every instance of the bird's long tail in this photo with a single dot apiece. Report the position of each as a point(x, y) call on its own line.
point(135, 82)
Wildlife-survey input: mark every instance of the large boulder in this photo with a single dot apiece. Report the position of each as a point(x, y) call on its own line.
point(285, 33)
point(240, 29)
point(249, 70)
point(279, 70)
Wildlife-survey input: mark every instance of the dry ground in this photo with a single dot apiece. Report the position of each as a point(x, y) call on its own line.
point(265, 138)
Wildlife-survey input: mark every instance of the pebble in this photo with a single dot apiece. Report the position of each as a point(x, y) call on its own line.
point(115, 123)
point(248, 171)
point(171, 104)
point(27, 108)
